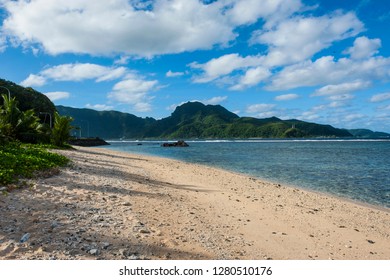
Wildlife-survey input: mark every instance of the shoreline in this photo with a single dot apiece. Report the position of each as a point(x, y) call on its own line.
point(116, 205)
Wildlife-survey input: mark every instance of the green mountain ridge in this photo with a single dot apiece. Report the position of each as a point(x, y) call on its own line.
point(191, 120)
point(194, 120)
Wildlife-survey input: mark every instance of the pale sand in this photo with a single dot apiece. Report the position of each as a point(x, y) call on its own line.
point(111, 205)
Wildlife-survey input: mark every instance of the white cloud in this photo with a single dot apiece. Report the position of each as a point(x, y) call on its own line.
point(286, 97)
point(299, 38)
point(34, 81)
point(171, 74)
point(380, 97)
point(215, 100)
point(75, 72)
point(251, 78)
point(261, 110)
point(57, 95)
point(364, 48)
point(386, 109)
point(342, 88)
point(341, 97)
point(119, 26)
point(327, 70)
point(249, 11)
point(224, 65)
point(99, 107)
point(82, 71)
point(134, 90)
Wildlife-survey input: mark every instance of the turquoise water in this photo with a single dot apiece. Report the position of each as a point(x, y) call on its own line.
point(358, 170)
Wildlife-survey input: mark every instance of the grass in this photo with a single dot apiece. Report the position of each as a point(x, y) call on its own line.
point(24, 160)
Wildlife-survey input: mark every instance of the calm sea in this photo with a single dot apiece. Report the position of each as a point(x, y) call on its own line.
point(354, 169)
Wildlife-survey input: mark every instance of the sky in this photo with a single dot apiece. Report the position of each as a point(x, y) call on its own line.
point(323, 61)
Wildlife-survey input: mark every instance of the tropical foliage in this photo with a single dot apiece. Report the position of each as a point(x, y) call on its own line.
point(16, 124)
point(23, 160)
point(61, 131)
point(20, 126)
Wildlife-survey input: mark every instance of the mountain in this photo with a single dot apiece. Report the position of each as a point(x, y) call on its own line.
point(193, 120)
point(366, 133)
point(106, 124)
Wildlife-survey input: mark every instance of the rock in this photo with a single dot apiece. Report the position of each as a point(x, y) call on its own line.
point(88, 142)
point(94, 252)
point(144, 230)
point(24, 238)
point(105, 245)
point(180, 143)
point(126, 204)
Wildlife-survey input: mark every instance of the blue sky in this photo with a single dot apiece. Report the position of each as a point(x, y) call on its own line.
point(323, 61)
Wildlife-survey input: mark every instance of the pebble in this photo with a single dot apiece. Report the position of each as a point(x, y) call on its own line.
point(105, 245)
point(93, 252)
point(25, 238)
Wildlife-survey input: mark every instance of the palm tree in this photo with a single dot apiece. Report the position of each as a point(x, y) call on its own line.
point(18, 125)
point(61, 130)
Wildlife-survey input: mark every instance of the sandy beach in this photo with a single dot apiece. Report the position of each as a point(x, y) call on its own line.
point(112, 205)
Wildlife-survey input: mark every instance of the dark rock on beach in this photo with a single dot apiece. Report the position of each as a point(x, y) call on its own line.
point(88, 142)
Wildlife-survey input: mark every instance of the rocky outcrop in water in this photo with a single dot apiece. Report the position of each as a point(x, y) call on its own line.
point(175, 144)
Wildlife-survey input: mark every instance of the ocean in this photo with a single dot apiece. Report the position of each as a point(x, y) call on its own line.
point(352, 169)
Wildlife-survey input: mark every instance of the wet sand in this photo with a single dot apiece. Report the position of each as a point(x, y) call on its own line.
point(113, 205)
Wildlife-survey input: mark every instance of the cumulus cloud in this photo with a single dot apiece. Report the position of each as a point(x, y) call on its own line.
point(57, 95)
point(261, 110)
point(286, 97)
point(171, 74)
point(224, 65)
point(272, 11)
point(299, 38)
point(214, 100)
point(99, 107)
point(326, 70)
point(290, 40)
point(82, 71)
point(251, 78)
point(119, 26)
point(34, 81)
point(364, 47)
point(380, 97)
point(342, 88)
point(75, 72)
point(134, 90)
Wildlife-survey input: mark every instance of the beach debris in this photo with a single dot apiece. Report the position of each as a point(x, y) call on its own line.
point(370, 241)
point(24, 238)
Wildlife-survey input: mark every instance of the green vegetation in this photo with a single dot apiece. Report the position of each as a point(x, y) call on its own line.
point(60, 133)
point(16, 124)
point(25, 137)
point(194, 120)
point(24, 160)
